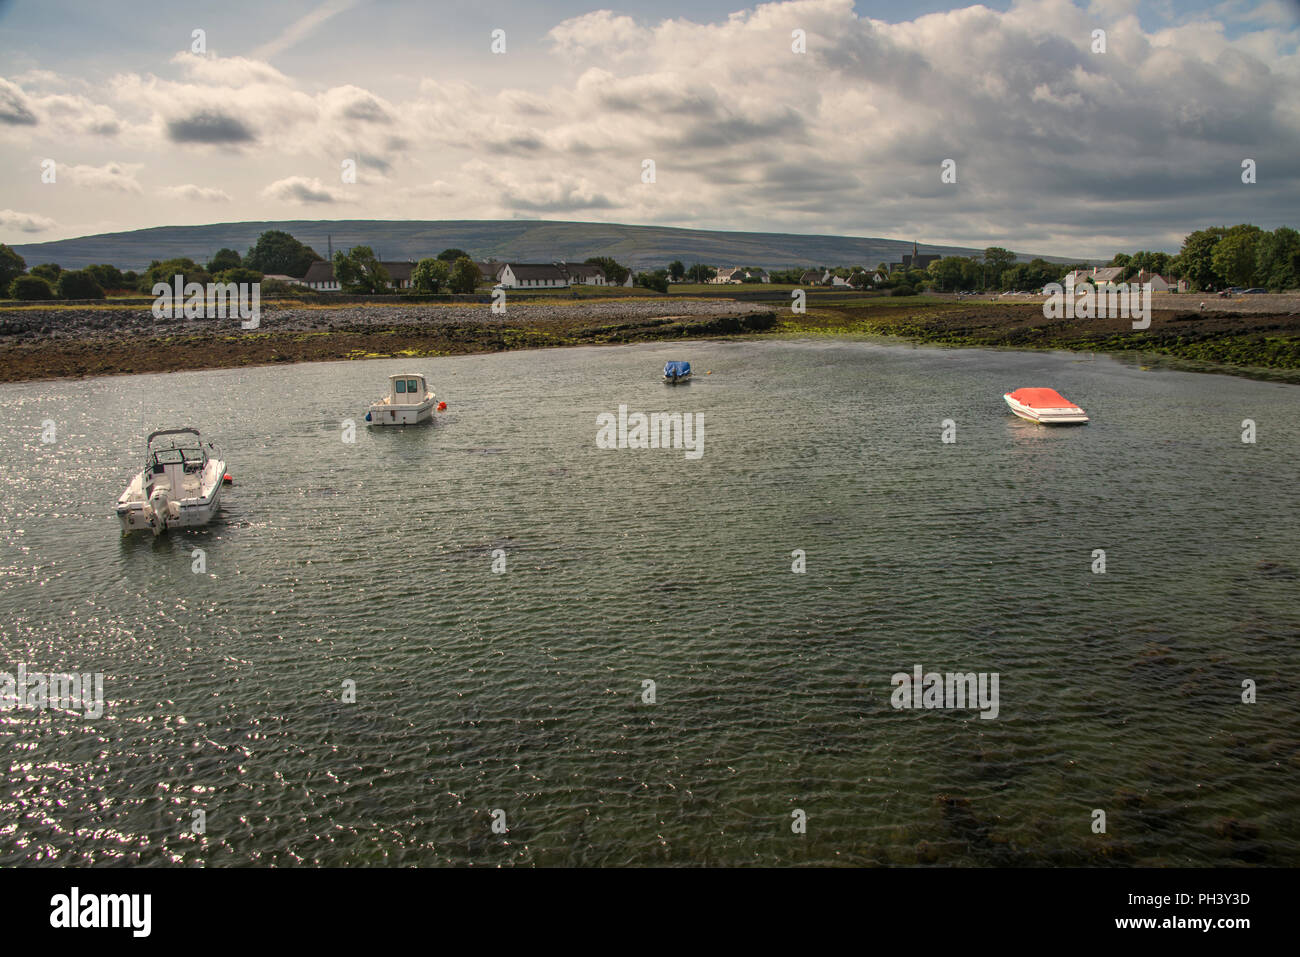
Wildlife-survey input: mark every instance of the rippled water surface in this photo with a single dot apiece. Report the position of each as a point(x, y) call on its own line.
point(522, 691)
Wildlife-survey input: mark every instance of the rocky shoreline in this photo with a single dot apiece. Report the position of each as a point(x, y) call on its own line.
point(75, 341)
point(1259, 336)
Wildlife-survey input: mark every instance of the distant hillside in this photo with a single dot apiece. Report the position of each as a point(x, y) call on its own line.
point(642, 247)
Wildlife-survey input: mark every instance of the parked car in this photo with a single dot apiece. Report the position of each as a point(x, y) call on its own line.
point(1255, 291)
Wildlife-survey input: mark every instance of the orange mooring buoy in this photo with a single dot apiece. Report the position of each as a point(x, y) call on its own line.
point(227, 479)
point(442, 406)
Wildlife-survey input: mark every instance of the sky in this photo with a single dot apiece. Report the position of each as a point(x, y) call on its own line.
point(1057, 147)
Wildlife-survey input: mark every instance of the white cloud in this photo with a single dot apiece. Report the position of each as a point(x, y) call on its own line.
point(115, 177)
point(300, 28)
point(11, 219)
point(15, 106)
point(601, 33)
point(1051, 140)
point(200, 194)
point(303, 191)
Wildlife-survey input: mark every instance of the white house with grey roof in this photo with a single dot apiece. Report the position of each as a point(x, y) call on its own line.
point(532, 276)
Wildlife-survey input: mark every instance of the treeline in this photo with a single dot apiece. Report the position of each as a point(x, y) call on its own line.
point(1226, 256)
point(274, 252)
point(1213, 258)
point(1217, 257)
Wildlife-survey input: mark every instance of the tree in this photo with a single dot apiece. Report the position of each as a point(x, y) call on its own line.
point(225, 259)
point(916, 278)
point(1234, 259)
point(1195, 259)
point(430, 275)
point(47, 271)
point(359, 271)
point(657, 281)
point(949, 273)
point(238, 274)
point(998, 260)
point(676, 270)
point(451, 255)
point(109, 277)
point(1275, 256)
point(277, 252)
point(30, 287)
point(614, 273)
point(78, 284)
point(12, 266)
point(700, 273)
point(167, 271)
point(464, 276)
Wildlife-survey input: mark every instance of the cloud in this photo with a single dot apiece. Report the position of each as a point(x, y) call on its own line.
point(601, 33)
point(347, 103)
point(193, 193)
point(25, 222)
point(78, 114)
point(235, 71)
point(15, 108)
point(303, 191)
point(300, 28)
point(209, 126)
point(1052, 142)
point(115, 177)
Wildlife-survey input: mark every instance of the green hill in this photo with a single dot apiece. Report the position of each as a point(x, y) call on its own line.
point(642, 247)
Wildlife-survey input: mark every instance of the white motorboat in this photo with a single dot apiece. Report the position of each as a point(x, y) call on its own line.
point(408, 402)
point(1046, 406)
point(179, 486)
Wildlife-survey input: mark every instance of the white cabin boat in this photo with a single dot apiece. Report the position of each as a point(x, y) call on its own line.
point(1046, 406)
point(408, 402)
point(179, 486)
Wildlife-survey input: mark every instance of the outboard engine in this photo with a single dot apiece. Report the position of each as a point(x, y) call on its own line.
point(161, 510)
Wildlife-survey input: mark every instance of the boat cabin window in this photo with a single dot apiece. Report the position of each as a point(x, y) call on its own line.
point(190, 458)
point(401, 386)
point(413, 386)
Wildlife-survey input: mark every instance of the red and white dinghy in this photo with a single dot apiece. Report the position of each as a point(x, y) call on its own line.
point(1046, 406)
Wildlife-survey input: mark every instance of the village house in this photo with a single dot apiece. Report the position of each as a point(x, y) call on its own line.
point(740, 274)
point(532, 276)
point(320, 276)
point(584, 274)
point(1158, 282)
point(1100, 276)
point(1105, 276)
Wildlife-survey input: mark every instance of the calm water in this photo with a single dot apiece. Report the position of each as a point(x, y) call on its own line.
point(521, 691)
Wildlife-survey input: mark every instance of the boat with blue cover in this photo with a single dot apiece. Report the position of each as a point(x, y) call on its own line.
point(675, 372)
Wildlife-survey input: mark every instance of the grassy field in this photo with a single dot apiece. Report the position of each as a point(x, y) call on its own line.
point(1260, 345)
